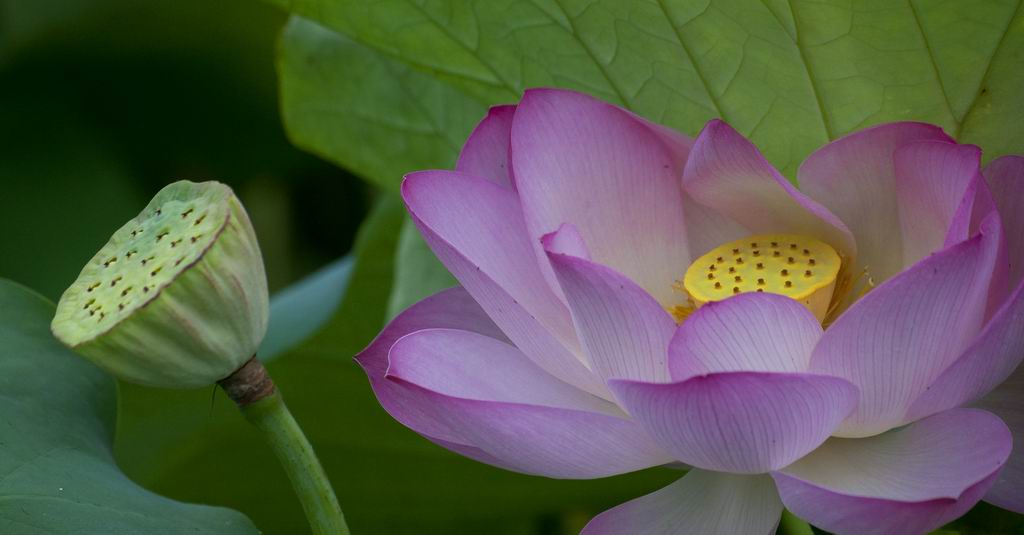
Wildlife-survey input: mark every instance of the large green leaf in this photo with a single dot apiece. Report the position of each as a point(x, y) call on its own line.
point(790, 75)
point(377, 117)
point(57, 471)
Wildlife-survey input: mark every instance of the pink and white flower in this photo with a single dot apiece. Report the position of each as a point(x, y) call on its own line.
point(586, 338)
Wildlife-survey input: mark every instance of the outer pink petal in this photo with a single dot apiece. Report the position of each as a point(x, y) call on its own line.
point(705, 503)
point(470, 365)
point(726, 172)
point(476, 229)
point(485, 153)
point(474, 390)
point(897, 339)
point(1007, 402)
point(932, 179)
point(995, 353)
point(453, 308)
point(855, 178)
point(741, 422)
point(624, 331)
point(748, 332)
point(908, 481)
point(586, 162)
point(1006, 180)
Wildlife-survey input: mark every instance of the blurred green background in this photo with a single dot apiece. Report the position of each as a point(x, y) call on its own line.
point(104, 101)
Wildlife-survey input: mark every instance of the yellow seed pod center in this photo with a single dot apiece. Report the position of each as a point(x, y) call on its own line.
point(799, 267)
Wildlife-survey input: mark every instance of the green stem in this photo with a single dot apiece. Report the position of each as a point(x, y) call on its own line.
point(293, 450)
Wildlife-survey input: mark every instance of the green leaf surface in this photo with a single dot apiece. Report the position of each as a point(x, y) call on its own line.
point(374, 116)
point(790, 75)
point(57, 471)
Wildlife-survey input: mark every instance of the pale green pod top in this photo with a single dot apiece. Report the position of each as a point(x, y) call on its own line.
point(177, 297)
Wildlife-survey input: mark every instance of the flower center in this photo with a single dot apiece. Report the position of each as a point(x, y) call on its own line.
point(799, 267)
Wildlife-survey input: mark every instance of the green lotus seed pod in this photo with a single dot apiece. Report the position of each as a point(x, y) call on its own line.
point(177, 298)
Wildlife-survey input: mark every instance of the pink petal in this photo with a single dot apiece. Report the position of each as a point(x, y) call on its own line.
point(977, 206)
point(1006, 180)
point(741, 422)
point(855, 178)
point(932, 179)
point(700, 503)
point(1007, 403)
point(476, 229)
point(453, 309)
point(566, 240)
point(706, 228)
point(586, 162)
point(910, 480)
point(748, 332)
point(470, 365)
point(485, 153)
point(727, 173)
point(624, 331)
point(993, 355)
point(474, 390)
point(897, 339)
point(471, 452)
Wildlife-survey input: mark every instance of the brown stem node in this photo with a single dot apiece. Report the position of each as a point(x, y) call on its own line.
point(248, 384)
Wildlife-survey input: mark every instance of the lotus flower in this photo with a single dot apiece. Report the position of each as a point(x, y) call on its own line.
point(631, 298)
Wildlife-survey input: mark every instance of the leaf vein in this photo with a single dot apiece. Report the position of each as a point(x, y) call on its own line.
point(693, 62)
point(988, 71)
point(600, 66)
point(810, 75)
